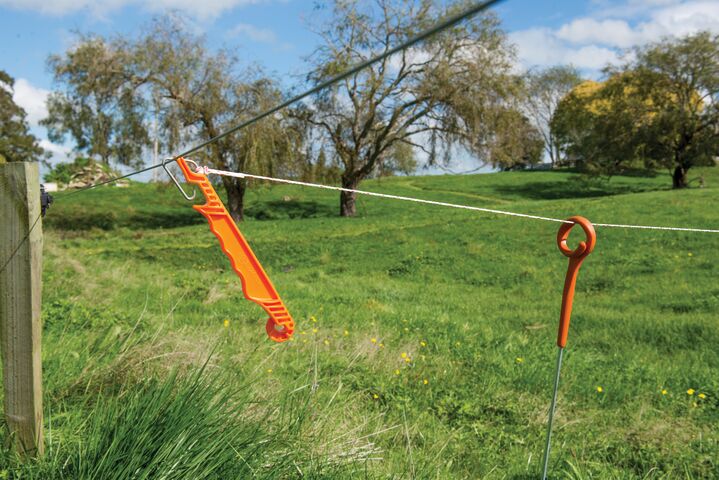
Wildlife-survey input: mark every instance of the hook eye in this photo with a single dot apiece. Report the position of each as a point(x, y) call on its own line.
point(177, 184)
point(194, 164)
point(584, 248)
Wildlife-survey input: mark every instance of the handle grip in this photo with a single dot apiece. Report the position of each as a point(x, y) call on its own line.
point(576, 257)
point(256, 285)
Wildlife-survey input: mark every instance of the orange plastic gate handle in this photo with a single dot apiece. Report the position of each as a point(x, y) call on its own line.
point(576, 257)
point(256, 285)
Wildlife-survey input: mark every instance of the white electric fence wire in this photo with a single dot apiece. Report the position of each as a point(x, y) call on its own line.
point(207, 170)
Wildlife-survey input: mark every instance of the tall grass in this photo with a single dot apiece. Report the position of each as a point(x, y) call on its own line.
point(196, 425)
point(424, 345)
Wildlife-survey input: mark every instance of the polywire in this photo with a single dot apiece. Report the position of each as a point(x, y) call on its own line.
point(208, 170)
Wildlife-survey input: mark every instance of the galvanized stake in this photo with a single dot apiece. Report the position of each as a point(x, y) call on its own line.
point(551, 414)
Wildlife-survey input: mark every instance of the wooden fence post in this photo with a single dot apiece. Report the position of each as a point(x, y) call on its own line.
point(20, 298)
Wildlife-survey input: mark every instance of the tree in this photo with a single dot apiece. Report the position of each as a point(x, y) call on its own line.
point(17, 144)
point(419, 100)
point(98, 107)
point(169, 76)
point(595, 127)
point(660, 110)
point(680, 80)
point(518, 143)
point(544, 89)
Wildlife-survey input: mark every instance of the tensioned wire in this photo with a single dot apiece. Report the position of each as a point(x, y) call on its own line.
point(208, 170)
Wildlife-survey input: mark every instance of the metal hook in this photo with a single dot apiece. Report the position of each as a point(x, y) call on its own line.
point(177, 184)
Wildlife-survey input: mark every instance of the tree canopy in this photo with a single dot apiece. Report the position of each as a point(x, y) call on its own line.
point(446, 92)
point(116, 89)
point(17, 144)
point(543, 90)
point(660, 110)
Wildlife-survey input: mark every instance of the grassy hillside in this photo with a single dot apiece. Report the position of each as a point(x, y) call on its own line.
point(424, 344)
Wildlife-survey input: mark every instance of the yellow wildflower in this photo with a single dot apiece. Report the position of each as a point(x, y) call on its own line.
point(690, 391)
point(404, 355)
point(326, 342)
point(314, 330)
point(599, 389)
point(269, 370)
point(226, 323)
point(423, 344)
point(519, 360)
point(664, 391)
point(702, 396)
point(425, 381)
point(375, 396)
point(313, 319)
point(396, 372)
point(407, 360)
point(373, 340)
point(346, 333)
point(381, 345)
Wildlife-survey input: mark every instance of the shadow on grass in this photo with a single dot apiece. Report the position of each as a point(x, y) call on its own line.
point(81, 220)
point(280, 209)
point(575, 187)
point(84, 219)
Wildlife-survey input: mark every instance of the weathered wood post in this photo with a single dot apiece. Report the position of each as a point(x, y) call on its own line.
point(20, 297)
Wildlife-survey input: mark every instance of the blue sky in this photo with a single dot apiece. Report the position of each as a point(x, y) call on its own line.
point(278, 35)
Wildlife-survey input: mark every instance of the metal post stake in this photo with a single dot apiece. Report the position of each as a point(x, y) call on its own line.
point(551, 415)
point(576, 257)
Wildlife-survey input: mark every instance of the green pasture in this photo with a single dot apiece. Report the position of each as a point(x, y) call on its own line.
point(425, 341)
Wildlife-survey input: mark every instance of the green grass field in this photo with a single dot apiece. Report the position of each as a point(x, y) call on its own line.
point(425, 341)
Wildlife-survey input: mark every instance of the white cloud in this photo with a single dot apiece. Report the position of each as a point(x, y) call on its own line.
point(591, 57)
point(616, 33)
point(204, 9)
point(683, 19)
point(60, 153)
point(592, 42)
point(256, 34)
point(542, 47)
point(31, 99)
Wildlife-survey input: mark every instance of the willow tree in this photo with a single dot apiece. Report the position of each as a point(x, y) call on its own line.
point(443, 93)
point(95, 103)
point(191, 94)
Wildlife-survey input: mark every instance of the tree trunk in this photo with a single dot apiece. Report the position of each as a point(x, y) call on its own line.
point(235, 189)
point(552, 154)
point(347, 199)
point(679, 178)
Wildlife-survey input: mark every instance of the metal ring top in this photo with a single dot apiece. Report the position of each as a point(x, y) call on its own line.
point(177, 184)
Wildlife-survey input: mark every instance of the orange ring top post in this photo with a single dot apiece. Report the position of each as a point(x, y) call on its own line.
point(576, 257)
